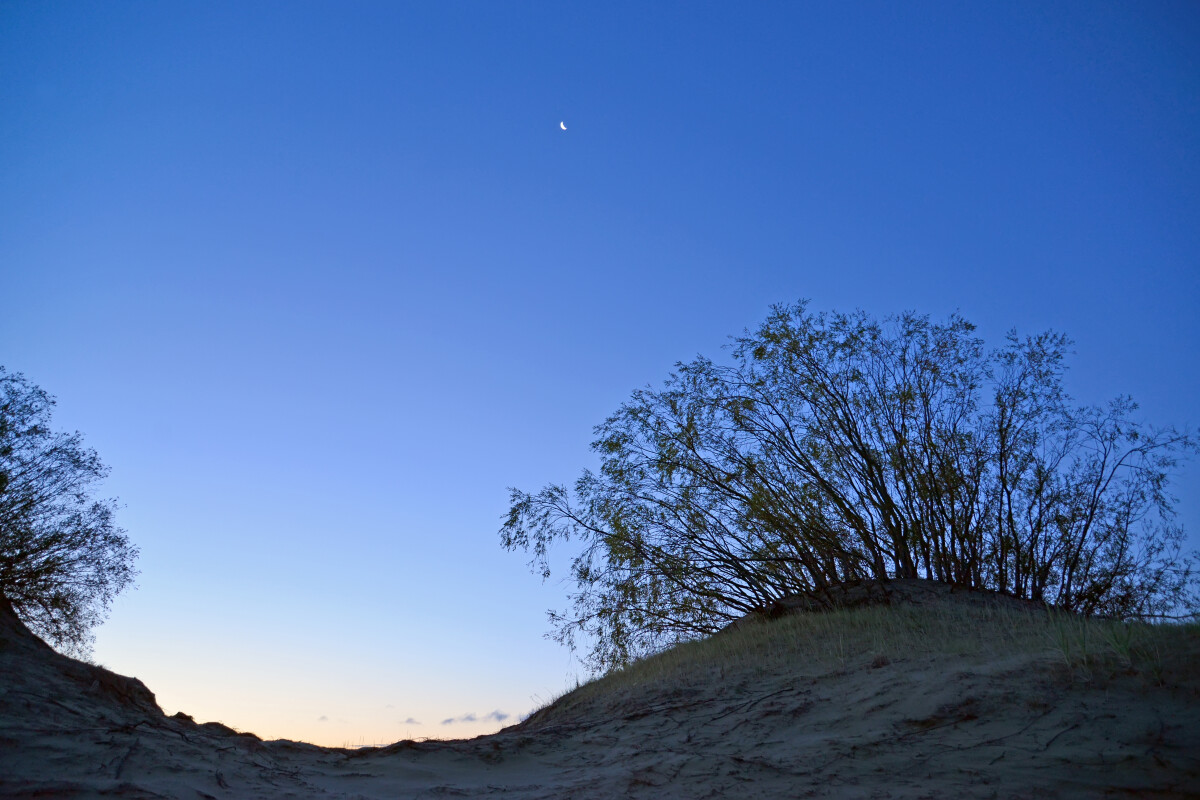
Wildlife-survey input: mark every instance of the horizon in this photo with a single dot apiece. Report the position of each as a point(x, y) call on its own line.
point(320, 284)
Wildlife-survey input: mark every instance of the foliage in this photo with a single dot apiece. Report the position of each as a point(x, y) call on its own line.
point(62, 558)
point(835, 447)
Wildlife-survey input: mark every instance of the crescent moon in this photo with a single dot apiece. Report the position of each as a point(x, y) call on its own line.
point(562, 125)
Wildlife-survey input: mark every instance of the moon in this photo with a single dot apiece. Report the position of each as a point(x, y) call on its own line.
point(562, 125)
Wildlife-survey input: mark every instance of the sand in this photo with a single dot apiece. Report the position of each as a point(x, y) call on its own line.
point(933, 724)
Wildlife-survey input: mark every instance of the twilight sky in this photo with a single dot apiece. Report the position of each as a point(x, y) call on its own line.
point(320, 280)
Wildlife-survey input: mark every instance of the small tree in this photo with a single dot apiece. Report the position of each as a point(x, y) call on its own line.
point(834, 448)
point(62, 559)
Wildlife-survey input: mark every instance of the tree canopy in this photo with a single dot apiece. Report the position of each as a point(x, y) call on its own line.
point(62, 557)
point(834, 447)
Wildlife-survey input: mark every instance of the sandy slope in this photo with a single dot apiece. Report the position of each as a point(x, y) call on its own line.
point(931, 725)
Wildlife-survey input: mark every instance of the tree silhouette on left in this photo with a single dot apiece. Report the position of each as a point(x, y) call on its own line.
point(62, 557)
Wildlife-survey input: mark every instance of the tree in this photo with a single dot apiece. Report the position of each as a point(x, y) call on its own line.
point(834, 448)
point(62, 558)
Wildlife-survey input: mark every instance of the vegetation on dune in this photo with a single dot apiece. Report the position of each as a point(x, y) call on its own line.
point(834, 448)
point(1069, 648)
point(62, 557)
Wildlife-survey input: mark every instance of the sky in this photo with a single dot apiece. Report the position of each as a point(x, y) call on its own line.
point(320, 281)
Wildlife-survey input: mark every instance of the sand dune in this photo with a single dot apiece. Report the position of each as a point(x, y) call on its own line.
point(941, 699)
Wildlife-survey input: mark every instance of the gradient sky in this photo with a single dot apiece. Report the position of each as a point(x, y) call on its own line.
point(320, 280)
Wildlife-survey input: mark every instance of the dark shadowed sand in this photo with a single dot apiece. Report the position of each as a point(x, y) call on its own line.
point(860, 715)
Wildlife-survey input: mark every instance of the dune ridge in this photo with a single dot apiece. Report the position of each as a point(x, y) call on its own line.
point(935, 696)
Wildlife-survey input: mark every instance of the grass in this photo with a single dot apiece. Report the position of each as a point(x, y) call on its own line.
point(830, 643)
point(1091, 648)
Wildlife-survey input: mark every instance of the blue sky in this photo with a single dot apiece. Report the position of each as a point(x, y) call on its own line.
point(320, 280)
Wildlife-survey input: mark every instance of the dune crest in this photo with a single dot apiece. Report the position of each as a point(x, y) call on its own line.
point(943, 697)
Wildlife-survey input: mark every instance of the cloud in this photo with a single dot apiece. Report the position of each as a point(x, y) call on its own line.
point(322, 718)
point(463, 718)
point(497, 715)
point(411, 721)
point(448, 721)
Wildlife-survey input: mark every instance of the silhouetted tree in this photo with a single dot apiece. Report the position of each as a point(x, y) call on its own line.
point(836, 448)
point(62, 559)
